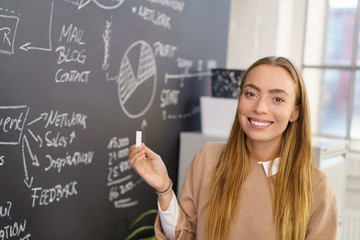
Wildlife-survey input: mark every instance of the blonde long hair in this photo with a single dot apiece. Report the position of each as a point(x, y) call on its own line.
point(292, 193)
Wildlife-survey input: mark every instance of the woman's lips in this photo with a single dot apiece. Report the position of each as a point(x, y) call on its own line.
point(258, 123)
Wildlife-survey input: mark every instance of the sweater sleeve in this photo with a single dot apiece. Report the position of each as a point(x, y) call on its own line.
point(194, 193)
point(186, 222)
point(323, 220)
point(169, 218)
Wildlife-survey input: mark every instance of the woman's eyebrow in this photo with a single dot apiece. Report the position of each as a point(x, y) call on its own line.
point(275, 90)
point(252, 86)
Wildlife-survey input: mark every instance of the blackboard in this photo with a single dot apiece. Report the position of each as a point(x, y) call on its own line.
point(78, 79)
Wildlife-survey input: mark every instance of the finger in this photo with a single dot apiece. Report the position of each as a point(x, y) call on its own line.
point(133, 150)
point(150, 153)
point(136, 157)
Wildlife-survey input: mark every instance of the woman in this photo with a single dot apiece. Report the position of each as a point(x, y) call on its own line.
point(262, 183)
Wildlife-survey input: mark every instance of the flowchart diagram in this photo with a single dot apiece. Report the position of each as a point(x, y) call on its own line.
point(79, 78)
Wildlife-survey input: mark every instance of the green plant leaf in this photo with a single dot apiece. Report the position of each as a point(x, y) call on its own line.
point(140, 229)
point(148, 212)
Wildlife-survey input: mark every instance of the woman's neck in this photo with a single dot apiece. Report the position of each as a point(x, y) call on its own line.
point(262, 150)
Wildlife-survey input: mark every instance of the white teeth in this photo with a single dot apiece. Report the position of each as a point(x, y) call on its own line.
point(261, 124)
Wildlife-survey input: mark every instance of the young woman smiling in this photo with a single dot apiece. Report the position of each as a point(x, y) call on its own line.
point(262, 183)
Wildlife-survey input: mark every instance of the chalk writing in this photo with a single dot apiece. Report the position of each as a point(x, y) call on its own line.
point(68, 55)
point(168, 116)
point(8, 27)
point(9, 123)
point(5, 210)
point(164, 50)
point(119, 179)
point(116, 142)
point(124, 188)
point(71, 34)
point(71, 76)
point(115, 171)
point(27, 237)
point(125, 202)
point(184, 63)
point(115, 155)
point(2, 161)
point(106, 39)
point(57, 140)
point(69, 160)
point(42, 196)
point(155, 17)
point(12, 230)
point(173, 4)
point(12, 120)
point(54, 118)
point(169, 97)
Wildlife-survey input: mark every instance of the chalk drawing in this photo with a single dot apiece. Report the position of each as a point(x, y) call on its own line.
point(12, 120)
point(124, 203)
point(27, 46)
point(8, 27)
point(185, 75)
point(28, 180)
point(104, 4)
point(137, 71)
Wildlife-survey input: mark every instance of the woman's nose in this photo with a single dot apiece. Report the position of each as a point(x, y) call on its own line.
point(261, 106)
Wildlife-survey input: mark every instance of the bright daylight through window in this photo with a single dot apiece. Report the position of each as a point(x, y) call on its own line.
point(331, 68)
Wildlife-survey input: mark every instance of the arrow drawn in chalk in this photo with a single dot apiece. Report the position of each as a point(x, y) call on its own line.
point(72, 136)
point(27, 46)
point(36, 138)
point(28, 181)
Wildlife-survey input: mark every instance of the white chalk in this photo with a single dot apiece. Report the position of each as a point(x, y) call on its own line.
point(138, 138)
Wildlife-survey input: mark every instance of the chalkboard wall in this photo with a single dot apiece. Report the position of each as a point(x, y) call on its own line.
point(78, 79)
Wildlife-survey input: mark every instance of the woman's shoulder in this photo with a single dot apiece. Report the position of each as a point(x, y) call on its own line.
point(213, 147)
point(323, 220)
point(209, 153)
point(321, 183)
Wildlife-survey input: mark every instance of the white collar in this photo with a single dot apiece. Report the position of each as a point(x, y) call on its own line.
point(274, 169)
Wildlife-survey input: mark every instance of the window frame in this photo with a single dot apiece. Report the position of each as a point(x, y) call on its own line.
point(354, 143)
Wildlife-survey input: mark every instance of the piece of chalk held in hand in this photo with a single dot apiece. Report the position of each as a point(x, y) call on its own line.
point(138, 138)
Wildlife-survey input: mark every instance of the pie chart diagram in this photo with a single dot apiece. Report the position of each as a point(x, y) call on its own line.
point(137, 79)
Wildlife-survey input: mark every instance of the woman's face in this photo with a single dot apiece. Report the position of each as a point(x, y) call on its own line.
point(267, 103)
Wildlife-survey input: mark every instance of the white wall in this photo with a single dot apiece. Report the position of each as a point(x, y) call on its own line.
point(260, 28)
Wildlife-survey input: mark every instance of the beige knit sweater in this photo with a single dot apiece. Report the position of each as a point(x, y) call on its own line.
point(254, 218)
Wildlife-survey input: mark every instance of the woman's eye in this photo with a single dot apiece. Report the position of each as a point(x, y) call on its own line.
point(250, 94)
point(279, 99)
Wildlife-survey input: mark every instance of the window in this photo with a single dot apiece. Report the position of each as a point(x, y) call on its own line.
point(331, 68)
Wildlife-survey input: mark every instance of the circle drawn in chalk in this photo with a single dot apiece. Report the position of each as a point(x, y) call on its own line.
point(108, 4)
point(137, 79)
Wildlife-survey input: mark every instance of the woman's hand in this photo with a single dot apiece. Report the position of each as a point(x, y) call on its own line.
point(148, 165)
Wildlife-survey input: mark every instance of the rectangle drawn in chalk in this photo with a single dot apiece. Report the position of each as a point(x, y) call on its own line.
point(12, 120)
point(8, 26)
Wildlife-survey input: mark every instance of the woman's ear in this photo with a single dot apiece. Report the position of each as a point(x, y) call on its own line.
point(295, 115)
